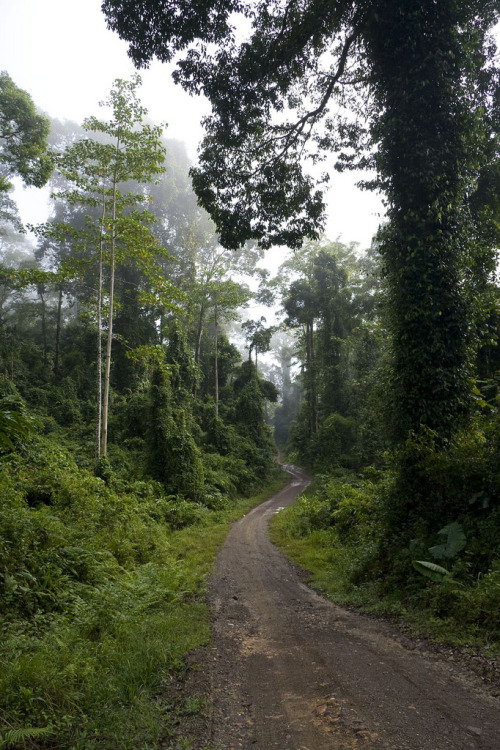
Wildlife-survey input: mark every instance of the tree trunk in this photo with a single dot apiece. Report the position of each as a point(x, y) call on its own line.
point(216, 367)
point(427, 154)
point(197, 350)
point(107, 366)
point(311, 379)
point(41, 294)
point(58, 335)
point(97, 450)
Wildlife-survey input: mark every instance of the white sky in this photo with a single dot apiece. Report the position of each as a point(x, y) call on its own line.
point(61, 53)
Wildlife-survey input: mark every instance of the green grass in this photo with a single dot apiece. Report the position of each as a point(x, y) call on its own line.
point(93, 674)
point(446, 612)
point(317, 552)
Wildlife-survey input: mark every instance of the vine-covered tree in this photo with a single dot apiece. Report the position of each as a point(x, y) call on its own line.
point(173, 457)
point(411, 82)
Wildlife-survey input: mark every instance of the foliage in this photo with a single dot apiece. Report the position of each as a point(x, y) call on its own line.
point(430, 569)
point(102, 564)
point(425, 247)
point(23, 134)
point(50, 348)
point(96, 568)
point(442, 579)
point(331, 300)
point(258, 336)
point(15, 426)
point(96, 170)
point(411, 90)
point(101, 592)
point(455, 542)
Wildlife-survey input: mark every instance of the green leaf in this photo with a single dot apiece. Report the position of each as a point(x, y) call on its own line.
point(430, 570)
point(455, 542)
point(13, 737)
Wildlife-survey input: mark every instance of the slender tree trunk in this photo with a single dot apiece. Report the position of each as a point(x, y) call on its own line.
point(197, 350)
point(99, 361)
point(216, 367)
point(311, 378)
point(107, 366)
point(58, 335)
point(107, 362)
point(41, 294)
point(99, 337)
point(314, 384)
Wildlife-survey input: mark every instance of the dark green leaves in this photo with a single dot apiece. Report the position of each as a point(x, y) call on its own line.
point(159, 28)
point(23, 137)
point(455, 542)
point(268, 93)
point(15, 425)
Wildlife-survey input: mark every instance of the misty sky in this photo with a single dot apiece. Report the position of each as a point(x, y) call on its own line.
point(62, 54)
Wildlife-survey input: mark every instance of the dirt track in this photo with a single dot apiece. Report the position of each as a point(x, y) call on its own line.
point(290, 670)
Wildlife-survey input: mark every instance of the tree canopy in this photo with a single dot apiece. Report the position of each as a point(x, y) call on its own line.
point(23, 137)
point(408, 88)
point(301, 65)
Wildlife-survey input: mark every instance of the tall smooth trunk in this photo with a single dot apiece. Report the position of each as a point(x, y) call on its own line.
point(98, 428)
point(107, 366)
point(99, 359)
point(311, 379)
point(41, 293)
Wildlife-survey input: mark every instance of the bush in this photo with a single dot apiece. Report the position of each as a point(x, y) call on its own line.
point(100, 589)
point(334, 443)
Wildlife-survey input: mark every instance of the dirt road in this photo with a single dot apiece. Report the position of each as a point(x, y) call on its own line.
point(290, 670)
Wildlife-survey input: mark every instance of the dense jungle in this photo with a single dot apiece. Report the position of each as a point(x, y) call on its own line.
point(173, 332)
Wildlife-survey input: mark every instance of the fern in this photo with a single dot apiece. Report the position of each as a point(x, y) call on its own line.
point(13, 737)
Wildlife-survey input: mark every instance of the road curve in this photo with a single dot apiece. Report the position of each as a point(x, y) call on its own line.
point(290, 670)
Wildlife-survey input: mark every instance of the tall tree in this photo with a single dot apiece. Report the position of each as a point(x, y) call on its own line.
point(331, 305)
point(413, 79)
point(225, 297)
point(213, 295)
point(97, 169)
point(258, 336)
point(316, 305)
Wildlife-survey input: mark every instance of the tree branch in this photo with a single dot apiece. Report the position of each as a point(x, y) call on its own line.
point(296, 130)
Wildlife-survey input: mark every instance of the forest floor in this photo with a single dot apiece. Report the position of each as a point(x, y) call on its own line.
point(289, 669)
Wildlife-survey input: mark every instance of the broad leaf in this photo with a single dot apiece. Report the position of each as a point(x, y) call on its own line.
point(430, 570)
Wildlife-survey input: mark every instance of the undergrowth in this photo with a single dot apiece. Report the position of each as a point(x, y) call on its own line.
point(338, 531)
point(102, 594)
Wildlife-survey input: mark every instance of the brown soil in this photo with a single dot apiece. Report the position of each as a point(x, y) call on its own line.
point(290, 670)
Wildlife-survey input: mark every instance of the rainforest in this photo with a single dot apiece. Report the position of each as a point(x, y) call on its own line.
point(174, 333)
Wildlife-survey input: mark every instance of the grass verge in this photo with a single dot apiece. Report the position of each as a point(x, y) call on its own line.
point(90, 674)
point(336, 550)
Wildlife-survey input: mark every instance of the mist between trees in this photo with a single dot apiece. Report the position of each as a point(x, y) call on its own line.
point(127, 411)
